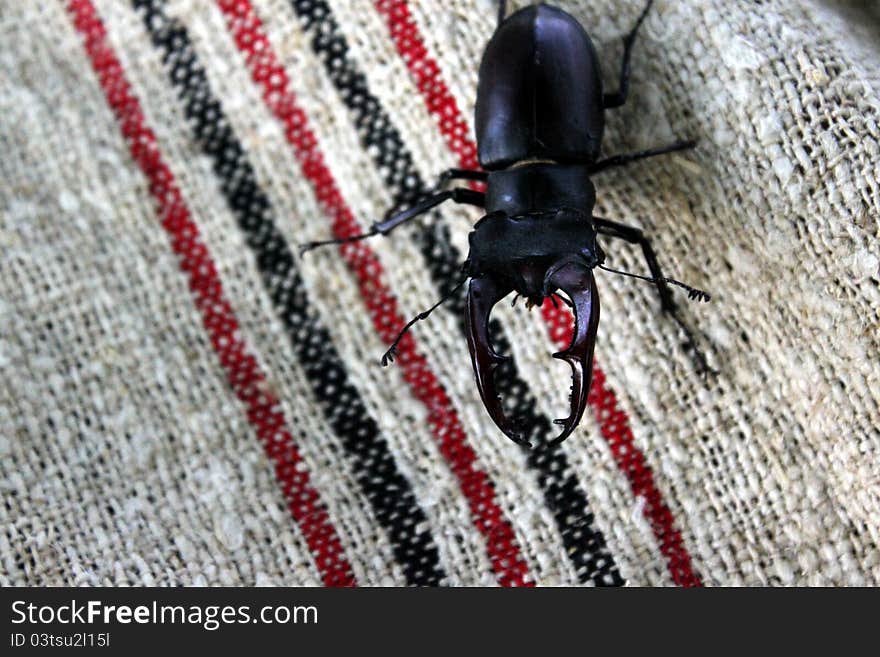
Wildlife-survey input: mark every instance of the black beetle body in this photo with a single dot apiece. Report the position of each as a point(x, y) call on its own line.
point(539, 95)
point(538, 215)
point(540, 115)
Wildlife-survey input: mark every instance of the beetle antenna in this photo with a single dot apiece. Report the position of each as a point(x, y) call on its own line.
point(388, 356)
point(693, 293)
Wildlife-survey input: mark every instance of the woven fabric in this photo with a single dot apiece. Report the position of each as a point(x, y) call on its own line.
point(185, 399)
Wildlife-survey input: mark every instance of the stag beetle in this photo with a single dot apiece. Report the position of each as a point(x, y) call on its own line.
point(539, 123)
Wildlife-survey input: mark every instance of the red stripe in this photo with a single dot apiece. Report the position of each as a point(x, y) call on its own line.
point(242, 370)
point(426, 74)
point(612, 420)
point(270, 76)
point(615, 428)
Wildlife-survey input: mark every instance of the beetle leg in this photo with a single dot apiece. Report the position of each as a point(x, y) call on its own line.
point(458, 195)
point(502, 11)
point(461, 174)
point(635, 235)
point(626, 158)
point(577, 282)
point(483, 294)
point(618, 98)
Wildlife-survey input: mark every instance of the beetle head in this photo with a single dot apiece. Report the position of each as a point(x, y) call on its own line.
point(535, 257)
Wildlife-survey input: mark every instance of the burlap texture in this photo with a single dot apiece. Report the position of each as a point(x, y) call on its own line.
point(128, 457)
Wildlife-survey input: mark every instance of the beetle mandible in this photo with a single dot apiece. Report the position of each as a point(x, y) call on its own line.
point(540, 115)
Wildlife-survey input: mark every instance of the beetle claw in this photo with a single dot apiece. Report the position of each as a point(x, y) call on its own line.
point(483, 294)
point(576, 280)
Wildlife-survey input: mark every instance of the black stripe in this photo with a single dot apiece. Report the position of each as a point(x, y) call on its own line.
point(584, 543)
point(388, 491)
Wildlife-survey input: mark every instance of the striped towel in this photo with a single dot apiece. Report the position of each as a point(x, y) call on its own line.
point(185, 399)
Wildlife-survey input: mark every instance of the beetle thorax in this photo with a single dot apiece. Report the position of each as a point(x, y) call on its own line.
point(540, 186)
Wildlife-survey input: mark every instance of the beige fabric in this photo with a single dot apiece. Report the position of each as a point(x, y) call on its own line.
point(126, 458)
